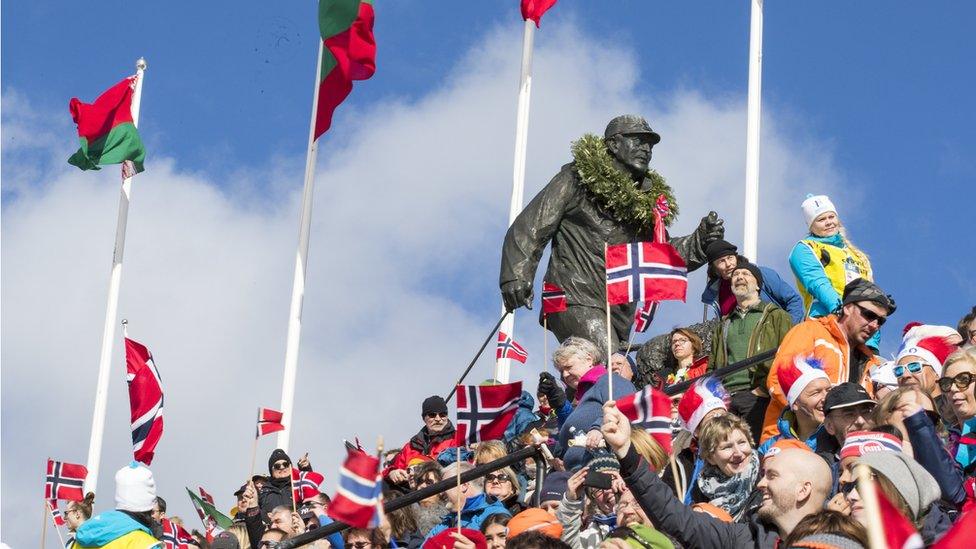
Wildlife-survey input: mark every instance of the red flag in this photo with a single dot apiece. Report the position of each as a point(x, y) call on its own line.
point(645, 271)
point(508, 348)
point(145, 400)
point(206, 497)
point(553, 299)
point(899, 531)
point(645, 316)
point(305, 484)
point(269, 421)
point(349, 53)
point(649, 409)
point(64, 481)
point(357, 498)
point(484, 412)
point(535, 9)
point(55, 513)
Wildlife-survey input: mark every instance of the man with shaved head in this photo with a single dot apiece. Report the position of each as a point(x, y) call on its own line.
point(795, 484)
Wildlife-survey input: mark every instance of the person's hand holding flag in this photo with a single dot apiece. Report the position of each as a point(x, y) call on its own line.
point(616, 429)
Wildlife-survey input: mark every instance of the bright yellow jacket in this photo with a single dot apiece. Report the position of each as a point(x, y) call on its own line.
point(137, 539)
point(823, 339)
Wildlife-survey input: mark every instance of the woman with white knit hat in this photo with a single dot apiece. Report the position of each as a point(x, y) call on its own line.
point(826, 260)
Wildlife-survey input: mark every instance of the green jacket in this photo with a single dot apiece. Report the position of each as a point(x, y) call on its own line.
point(768, 333)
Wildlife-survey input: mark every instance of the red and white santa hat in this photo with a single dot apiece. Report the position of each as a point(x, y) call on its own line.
point(927, 342)
point(704, 396)
point(794, 378)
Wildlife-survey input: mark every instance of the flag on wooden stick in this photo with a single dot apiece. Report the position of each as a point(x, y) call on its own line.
point(645, 316)
point(509, 348)
point(553, 299)
point(305, 484)
point(269, 421)
point(55, 513)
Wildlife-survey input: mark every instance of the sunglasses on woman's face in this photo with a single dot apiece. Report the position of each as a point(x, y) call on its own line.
point(961, 381)
point(913, 367)
point(492, 477)
point(281, 465)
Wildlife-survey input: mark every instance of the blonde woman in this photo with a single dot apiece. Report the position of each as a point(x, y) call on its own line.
point(826, 260)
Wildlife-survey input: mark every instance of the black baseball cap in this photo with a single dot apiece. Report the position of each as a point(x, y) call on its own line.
point(845, 395)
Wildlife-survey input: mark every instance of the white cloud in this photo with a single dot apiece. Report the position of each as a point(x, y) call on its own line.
point(409, 215)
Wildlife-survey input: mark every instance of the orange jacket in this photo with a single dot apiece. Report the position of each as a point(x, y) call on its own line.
point(823, 339)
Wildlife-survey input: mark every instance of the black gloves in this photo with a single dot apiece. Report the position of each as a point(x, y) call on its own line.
point(551, 390)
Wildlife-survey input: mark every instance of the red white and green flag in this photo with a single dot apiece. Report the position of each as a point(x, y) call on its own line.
point(348, 54)
point(107, 131)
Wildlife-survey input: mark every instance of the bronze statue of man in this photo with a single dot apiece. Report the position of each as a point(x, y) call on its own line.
point(605, 196)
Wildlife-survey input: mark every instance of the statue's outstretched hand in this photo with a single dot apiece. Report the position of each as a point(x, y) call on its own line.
point(517, 293)
point(710, 229)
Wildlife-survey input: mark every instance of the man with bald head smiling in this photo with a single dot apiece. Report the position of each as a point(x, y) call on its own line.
point(795, 484)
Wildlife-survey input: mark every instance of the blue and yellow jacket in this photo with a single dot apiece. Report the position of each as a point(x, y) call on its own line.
point(115, 530)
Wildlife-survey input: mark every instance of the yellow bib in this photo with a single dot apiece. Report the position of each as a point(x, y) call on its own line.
point(840, 266)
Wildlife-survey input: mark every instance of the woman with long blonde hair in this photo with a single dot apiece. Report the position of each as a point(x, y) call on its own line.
point(826, 260)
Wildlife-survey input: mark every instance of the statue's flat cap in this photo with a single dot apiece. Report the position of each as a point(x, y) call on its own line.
point(631, 124)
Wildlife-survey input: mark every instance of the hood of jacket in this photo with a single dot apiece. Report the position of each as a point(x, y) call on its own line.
point(106, 527)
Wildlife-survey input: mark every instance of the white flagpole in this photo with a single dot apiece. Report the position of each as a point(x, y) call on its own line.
point(503, 365)
point(301, 263)
point(111, 310)
point(750, 240)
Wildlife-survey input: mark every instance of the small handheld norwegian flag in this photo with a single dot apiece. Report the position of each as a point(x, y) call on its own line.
point(145, 400)
point(645, 271)
point(484, 412)
point(269, 421)
point(553, 299)
point(65, 481)
point(55, 512)
point(509, 348)
point(305, 484)
point(357, 498)
point(175, 536)
point(649, 409)
point(645, 316)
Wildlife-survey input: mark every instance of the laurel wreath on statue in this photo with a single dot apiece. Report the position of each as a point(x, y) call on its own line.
point(615, 190)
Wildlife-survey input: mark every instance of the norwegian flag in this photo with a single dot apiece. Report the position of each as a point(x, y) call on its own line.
point(64, 481)
point(145, 400)
point(484, 412)
point(553, 299)
point(357, 500)
point(269, 421)
point(649, 409)
point(535, 9)
point(899, 532)
point(175, 536)
point(645, 316)
point(645, 271)
point(509, 348)
point(305, 484)
point(55, 513)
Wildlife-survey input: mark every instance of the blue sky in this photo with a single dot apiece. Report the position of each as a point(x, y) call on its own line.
point(868, 101)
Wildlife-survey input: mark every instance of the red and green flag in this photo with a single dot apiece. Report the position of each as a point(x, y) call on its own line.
point(349, 53)
point(106, 130)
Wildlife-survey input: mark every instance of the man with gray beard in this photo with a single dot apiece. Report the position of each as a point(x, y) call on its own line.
point(752, 327)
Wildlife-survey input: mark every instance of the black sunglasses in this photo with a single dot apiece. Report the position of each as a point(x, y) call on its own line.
point(437, 414)
point(491, 477)
point(961, 381)
point(281, 465)
point(871, 316)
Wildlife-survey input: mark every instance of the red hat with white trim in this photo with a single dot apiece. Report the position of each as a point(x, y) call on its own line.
point(704, 396)
point(859, 443)
point(793, 379)
point(929, 344)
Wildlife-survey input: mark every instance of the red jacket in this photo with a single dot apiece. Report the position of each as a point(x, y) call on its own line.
point(422, 445)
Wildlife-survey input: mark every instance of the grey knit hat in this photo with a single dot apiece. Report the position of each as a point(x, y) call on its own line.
point(916, 485)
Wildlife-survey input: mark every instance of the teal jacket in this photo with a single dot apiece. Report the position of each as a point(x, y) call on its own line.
point(107, 527)
point(820, 441)
point(476, 510)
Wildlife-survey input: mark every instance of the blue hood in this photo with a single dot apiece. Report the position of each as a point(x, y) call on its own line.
point(106, 527)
